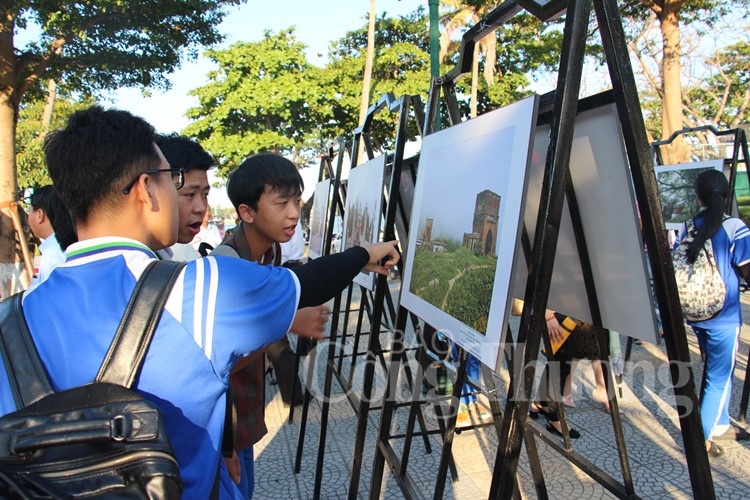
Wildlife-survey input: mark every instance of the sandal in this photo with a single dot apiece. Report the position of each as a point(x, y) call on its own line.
point(535, 409)
point(715, 450)
point(574, 434)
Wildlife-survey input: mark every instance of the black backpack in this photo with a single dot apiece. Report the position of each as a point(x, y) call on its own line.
point(97, 440)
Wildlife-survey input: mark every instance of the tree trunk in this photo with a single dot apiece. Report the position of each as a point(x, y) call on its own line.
point(13, 278)
point(474, 81)
point(672, 112)
point(49, 106)
point(367, 77)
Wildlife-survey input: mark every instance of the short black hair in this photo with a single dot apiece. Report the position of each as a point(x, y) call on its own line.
point(260, 172)
point(40, 198)
point(47, 199)
point(97, 153)
point(182, 152)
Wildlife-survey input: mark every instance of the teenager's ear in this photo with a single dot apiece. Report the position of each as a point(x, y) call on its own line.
point(145, 188)
point(246, 213)
point(39, 215)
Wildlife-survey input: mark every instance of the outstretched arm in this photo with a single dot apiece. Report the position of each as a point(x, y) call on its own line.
point(321, 279)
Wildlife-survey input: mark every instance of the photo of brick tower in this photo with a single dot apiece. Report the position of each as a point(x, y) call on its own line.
point(364, 196)
point(456, 272)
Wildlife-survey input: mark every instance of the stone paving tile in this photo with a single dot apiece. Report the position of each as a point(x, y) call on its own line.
point(649, 420)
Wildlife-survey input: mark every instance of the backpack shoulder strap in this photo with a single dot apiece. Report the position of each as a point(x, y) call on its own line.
point(125, 356)
point(25, 364)
point(276, 253)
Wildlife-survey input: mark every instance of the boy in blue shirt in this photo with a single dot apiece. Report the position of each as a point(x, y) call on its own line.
point(122, 195)
point(266, 191)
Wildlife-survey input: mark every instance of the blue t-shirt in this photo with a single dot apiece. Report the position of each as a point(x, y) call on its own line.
point(731, 246)
point(219, 310)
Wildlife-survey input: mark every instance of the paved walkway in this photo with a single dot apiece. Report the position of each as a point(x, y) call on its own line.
point(650, 426)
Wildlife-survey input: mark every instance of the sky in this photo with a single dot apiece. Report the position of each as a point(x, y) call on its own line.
point(317, 25)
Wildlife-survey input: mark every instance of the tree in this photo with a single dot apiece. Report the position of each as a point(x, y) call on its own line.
point(367, 77)
point(510, 55)
point(30, 131)
point(264, 96)
point(460, 15)
point(670, 15)
point(401, 66)
point(88, 47)
point(723, 98)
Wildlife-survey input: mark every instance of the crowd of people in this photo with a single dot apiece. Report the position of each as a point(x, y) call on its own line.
point(125, 201)
point(123, 196)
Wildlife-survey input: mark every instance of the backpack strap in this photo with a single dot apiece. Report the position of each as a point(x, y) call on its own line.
point(25, 364)
point(123, 361)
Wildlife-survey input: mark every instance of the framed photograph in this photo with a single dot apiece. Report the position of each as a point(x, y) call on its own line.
point(318, 218)
point(364, 197)
point(676, 194)
point(468, 203)
point(605, 198)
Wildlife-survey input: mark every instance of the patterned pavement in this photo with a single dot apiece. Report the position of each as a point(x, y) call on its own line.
point(651, 429)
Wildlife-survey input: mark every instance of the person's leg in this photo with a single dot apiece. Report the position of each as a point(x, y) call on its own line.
point(561, 369)
point(474, 371)
point(568, 388)
point(466, 390)
point(600, 392)
point(542, 394)
point(720, 348)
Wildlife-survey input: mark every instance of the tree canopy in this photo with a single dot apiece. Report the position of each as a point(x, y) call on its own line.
point(665, 78)
point(86, 47)
point(265, 95)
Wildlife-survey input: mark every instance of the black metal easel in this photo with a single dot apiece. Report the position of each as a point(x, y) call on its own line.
point(553, 193)
point(513, 424)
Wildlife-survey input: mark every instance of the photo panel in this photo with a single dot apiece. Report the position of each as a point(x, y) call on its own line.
point(364, 200)
point(604, 193)
point(464, 226)
point(676, 193)
point(318, 219)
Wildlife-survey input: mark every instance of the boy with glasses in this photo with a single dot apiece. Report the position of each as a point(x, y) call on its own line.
point(111, 175)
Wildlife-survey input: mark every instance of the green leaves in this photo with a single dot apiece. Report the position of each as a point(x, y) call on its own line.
point(264, 96)
point(31, 168)
point(91, 46)
point(86, 47)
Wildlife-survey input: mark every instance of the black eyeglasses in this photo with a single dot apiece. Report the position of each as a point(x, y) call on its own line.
point(178, 177)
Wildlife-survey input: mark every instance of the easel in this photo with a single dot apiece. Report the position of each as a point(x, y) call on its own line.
point(553, 192)
point(378, 307)
point(514, 427)
point(738, 143)
point(336, 207)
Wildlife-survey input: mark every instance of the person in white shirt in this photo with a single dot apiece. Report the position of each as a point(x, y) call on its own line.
point(208, 234)
point(293, 251)
point(47, 214)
